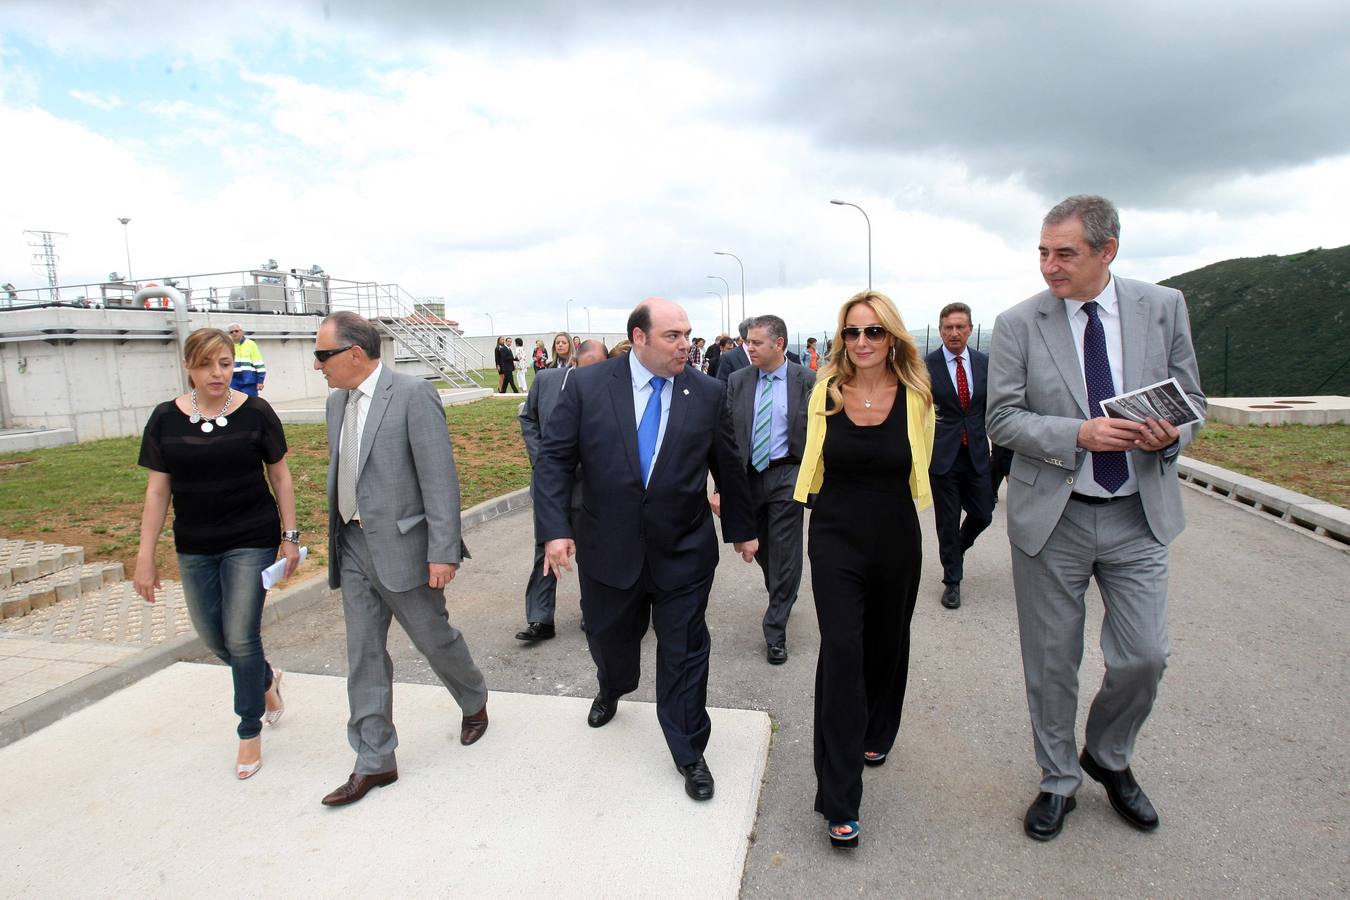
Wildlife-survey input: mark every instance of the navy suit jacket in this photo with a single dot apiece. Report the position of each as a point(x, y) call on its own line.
point(621, 524)
point(952, 419)
point(733, 359)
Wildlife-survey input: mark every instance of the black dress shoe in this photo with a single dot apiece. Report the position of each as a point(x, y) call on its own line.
point(536, 631)
point(1045, 816)
point(698, 781)
point(776, 654)
point(358, 786)
point(1125, 794)
point(602, 710)
point(951, 596)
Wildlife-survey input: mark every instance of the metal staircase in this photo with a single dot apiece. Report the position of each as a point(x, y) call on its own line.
point(415, 334)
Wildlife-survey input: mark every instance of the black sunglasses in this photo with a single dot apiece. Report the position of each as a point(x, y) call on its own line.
point(326, 355)
point(873, 332)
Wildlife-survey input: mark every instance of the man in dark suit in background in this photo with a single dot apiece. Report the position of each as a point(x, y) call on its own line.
point(959, 470)
point(647, 430)
point(548, 386)
point(768, 404)
point(737, 358)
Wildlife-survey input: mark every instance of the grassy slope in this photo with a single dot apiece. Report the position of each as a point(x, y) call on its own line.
point(1287, 318)
point(91, 494)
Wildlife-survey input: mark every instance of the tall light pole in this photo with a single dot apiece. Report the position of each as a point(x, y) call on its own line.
point(567, 313)
point(492, 325)
point(869, 236)
point(126, 242)
point(742, 265)
point(721, 312)
point(726, 325)
point(588, 321)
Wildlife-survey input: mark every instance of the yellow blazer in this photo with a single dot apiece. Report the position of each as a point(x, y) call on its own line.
point(811, 476)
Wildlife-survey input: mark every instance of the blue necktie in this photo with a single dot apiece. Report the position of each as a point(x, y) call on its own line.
point(649, 428)
point(1109, 468)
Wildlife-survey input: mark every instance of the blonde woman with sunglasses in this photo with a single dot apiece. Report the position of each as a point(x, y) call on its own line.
point(868, 440)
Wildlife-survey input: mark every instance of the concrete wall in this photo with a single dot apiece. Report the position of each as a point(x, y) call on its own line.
point(102, 371)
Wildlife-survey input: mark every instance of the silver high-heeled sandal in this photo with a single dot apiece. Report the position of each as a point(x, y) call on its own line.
point(247, 770)
point(273, 716)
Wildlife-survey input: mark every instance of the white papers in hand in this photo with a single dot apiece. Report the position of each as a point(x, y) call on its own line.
point(273, 574)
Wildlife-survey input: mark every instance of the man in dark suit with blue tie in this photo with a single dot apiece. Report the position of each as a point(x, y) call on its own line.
point(959, 470)
point(647, 429)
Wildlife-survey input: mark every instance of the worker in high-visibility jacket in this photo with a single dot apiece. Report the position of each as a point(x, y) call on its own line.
point(249, 370)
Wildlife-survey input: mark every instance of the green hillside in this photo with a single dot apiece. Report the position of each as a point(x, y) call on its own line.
point(1287, 320)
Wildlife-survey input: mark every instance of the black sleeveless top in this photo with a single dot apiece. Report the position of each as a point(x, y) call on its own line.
point(873, 458)
point(221, 500)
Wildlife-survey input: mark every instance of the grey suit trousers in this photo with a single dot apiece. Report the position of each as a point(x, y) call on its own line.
point(368, 606)
point(1114, 544)
point(778, 522)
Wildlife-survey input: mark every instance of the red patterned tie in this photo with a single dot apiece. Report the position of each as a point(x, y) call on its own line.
point(962, 394)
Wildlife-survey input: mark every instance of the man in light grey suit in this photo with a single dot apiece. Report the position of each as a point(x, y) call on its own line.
point(393, 541)
point(773, 393)
point(1089, 496)
point(546, 390)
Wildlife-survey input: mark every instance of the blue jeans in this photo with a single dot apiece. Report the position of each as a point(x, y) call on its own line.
point(224, 595)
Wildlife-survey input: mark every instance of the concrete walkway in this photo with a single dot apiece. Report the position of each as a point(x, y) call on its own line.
point(1244, 755)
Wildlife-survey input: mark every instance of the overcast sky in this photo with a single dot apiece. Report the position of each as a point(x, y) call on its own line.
point(506, 157)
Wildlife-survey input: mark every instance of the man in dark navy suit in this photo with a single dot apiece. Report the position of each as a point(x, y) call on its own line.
point(959, 470)
point(647, 430)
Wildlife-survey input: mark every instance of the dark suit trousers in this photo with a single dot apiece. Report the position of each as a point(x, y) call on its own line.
point(961, 488)
point(541, 591)
point(778, 523)
point(617, 620)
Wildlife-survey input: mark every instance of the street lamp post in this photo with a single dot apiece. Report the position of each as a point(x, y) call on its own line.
point(567, 313)
point(869, 236)
point(126, 242)
point(491, 325)
point(721, 312)
point(588, 321)
point(742, 265)
point(726, 324)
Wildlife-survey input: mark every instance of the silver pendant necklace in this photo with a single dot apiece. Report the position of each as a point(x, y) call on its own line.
point(207, 421)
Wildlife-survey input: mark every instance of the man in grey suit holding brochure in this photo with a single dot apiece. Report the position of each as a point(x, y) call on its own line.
point(1089, 496)
point(393, 541)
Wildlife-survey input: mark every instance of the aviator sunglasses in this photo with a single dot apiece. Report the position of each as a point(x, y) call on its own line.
point(326, 355)
point(853, 332)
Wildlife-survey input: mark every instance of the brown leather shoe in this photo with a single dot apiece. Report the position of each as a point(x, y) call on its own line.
point(472, 728)
point(358, 786)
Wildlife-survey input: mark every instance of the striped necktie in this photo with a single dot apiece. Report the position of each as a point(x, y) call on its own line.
point(759, 440)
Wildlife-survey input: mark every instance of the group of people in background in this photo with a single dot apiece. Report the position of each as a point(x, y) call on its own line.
point(512, 360)
point(623, 444)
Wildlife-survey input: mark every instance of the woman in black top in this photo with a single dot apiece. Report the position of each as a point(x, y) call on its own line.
point(868, 441)
point(208, 450)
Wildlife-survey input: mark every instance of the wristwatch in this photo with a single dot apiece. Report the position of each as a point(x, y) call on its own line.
point(291, 536)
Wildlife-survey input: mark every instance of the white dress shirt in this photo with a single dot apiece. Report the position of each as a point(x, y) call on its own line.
point(642, 392)
point(366, 390)
point(1108, 310)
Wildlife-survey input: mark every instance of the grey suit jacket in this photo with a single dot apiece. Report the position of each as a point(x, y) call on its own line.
point(407, 490)
point(545, 392)
point(1038, 400)
point(741, 388)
